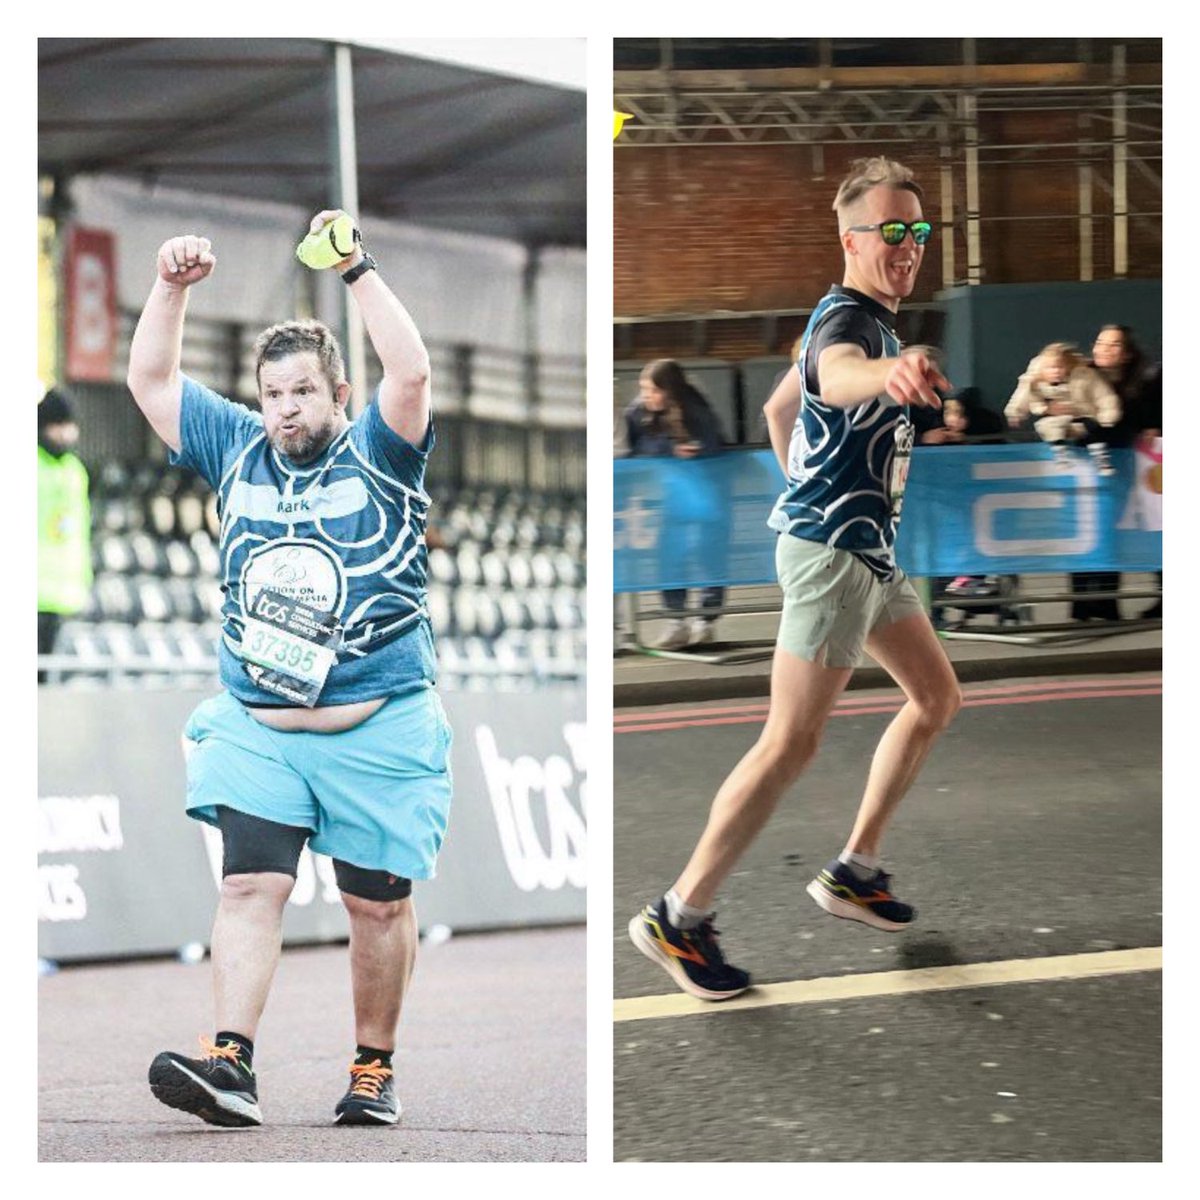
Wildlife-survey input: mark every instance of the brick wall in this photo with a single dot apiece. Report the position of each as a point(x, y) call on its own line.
point(702, 228)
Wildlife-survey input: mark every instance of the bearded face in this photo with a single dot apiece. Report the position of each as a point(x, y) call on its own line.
point(301, 411)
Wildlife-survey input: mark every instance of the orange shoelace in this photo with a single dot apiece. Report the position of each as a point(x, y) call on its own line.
point(211, 1050)
point(368, 1078)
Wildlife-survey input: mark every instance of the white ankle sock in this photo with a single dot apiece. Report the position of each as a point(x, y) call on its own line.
point(863, 865)
point(683, 916)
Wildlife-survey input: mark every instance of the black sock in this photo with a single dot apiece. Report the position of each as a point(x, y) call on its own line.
point(244, 1044)
point(365, 1054)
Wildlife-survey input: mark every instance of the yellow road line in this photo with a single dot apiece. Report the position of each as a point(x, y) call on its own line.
point(899, 983)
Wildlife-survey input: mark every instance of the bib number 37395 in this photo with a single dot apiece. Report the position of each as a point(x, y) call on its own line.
point(289, 647)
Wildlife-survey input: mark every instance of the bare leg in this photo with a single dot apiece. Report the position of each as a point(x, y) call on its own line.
point(383, 947)
point(802, 696)
point(910, 652)
point(245, 947)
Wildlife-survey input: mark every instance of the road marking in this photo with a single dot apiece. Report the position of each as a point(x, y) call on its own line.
point(885, 704)
point(855, 699)
point(899, 983)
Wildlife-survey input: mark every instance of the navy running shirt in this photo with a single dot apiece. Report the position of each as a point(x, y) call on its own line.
point(344, 534)
point(847, 466)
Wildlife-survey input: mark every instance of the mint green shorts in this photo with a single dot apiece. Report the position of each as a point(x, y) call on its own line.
point(832, 601)
point(377, 795)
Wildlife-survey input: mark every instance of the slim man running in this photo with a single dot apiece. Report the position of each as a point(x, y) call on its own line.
point(839, 425)
point(328, 730)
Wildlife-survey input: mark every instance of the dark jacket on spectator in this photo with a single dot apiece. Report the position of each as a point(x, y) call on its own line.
point(649, 433)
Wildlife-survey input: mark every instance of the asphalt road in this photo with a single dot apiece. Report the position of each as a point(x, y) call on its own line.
point(1034, 832)
point(480, 1081)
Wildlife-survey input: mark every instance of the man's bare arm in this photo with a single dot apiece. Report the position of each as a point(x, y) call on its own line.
point(781, 411)
point(847, 377)
point(157, 346)
point(404, 396)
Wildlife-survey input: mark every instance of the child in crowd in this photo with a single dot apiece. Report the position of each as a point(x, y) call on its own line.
point(1071, 404)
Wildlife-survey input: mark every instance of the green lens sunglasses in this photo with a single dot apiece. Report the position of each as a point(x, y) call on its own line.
point(893, 232)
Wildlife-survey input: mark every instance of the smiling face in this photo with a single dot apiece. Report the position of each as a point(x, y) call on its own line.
point(886, 273)
point(302, 412)
point(1109, 351)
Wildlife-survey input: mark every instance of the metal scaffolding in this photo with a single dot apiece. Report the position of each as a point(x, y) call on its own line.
point(1116, 111)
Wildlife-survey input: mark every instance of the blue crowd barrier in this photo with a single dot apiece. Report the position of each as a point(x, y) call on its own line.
point(968, 510)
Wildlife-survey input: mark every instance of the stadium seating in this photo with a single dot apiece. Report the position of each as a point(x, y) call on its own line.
point(506, 594)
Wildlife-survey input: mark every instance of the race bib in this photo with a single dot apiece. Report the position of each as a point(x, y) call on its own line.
point(288, 647)
point(901, 461)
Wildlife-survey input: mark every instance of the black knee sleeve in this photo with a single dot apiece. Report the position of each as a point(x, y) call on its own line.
point(370, 885)
point(252, 844)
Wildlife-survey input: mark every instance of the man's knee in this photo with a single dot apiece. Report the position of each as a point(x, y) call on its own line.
point(941, 706)
point(376, 912)
point(789, 751)
point(258, 886)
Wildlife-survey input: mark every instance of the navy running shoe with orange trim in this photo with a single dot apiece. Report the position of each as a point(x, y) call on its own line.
point(691, 957)
point(839, 891)
point(371, 1098)
point(219, 1087)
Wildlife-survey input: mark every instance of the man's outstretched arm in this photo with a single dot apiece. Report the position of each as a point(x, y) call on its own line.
point(154, 353)
point(404, 397)
point(848, 377)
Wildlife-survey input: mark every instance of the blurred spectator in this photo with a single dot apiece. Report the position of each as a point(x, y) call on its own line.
point(1071, 404)
point(64, 520)
point(1138, 383)
point(670, 418)
point(962, 419)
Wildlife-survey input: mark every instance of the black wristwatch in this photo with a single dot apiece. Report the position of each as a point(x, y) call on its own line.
point(357, 272)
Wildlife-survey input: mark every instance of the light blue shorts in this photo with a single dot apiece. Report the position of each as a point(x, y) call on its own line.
point(377, 795)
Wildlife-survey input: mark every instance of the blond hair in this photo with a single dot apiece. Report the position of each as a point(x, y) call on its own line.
point(867, 173)
point(1065, 352)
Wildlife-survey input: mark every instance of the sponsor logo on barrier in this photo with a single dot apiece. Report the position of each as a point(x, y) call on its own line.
point(635, 527)
point(314, 872)
point(1082, 540)
point(77, 823)
point(72, 825)
point(61, 897)
point(520, 785)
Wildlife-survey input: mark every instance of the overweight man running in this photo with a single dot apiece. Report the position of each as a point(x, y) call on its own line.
point(840, 427)
point(328, 730)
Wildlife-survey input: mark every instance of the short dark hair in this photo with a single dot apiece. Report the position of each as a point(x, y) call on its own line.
point(297, 337)
point(55, 408)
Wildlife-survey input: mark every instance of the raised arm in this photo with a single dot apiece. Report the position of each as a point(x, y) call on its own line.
point(404, 397)
point(847, 377)
point(157, 345)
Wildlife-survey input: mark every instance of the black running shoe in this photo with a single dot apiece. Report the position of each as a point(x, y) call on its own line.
point(839, 891)
point(219, 1088)
point(691, 957)
point(371, 1099)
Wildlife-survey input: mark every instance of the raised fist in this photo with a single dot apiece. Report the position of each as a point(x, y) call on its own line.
point(185, 260)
